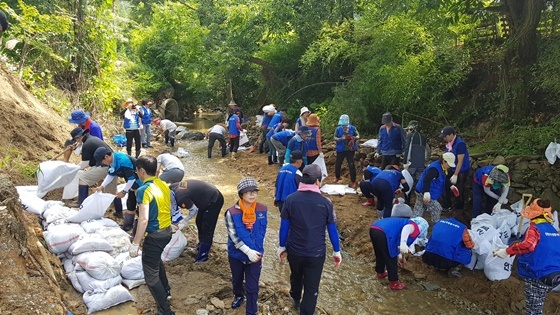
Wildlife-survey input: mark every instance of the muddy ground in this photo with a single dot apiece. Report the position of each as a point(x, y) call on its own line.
point(33, 281)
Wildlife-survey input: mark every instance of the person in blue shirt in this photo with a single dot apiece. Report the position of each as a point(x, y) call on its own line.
point(277, 118)
point(132, 125)
point(279, 127)
point(146, 131)
point(366, 186)
point(346, 137)
point(391, 141)
point(288, 179)
point(84, 121)
point(487, 182)
point(306, 216)
point(385, 184)
point(246, 223)
point(298, 142)
point(269, 111)
point(234, 131)
point(458, 175)
point(280, 141)
point(304, 113)
point(431, 185)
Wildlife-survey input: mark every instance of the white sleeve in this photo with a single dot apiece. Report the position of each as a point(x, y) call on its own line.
point(406, 231)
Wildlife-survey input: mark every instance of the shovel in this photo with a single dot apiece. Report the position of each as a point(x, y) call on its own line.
point(526, 200)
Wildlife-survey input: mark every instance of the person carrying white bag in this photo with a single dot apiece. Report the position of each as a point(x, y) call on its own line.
point(539, 255)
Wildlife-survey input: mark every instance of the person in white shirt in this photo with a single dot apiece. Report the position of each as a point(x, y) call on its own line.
point(168, 128)
point(217, 132)
point(171, 168)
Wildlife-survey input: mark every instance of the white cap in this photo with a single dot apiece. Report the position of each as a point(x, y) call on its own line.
point(449, 158)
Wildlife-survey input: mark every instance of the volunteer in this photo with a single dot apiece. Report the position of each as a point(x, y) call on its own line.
point(234, 130)
point(169, 168)
point(346, 138)
point(366, 186)
point(391, 141)
point(457, 176)
point(299, 143)
point(487, 183)
point(314, 140)
point(132, 125)
point(385, 185)
point(217, 132)
point(288, 179)
point(303, 117)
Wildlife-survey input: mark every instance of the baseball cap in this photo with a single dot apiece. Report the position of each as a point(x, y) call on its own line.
point(449, 158)
point(304, 130)
point(313, 171)
point(386, 118)
point(99, 155)
point(447, 130)
point(296, 155)
point(247, 184)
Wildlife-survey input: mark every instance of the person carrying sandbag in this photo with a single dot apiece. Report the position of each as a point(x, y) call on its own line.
point(487, 183)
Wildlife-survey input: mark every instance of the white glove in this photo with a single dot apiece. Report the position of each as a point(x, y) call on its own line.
point(502, 253)
point(497, 207)
point(403, 248)
point(406, 166)
point(253, 255)
point(453, 179)
point(427, 197)
point(337, 258)
point(280, 252)
point(376, 155)
point(133, 250)
point(503, 200)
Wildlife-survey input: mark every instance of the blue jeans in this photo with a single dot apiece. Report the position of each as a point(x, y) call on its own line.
point(154, 270)
point(146, 134)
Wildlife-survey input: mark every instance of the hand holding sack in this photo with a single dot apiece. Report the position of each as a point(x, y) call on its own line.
point(337, 259)
point(502, 253)
point(497, 207)
point(133, 250)
point(280, 253)
point(427, 197)
point(453, 179)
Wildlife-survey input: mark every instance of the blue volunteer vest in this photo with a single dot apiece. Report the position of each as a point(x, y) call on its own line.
point(447, 241)
point(466, 162)
point(340, 133)
point(253, 238)
point(232, 125)
point(276, 119)
point(312, 139)
point(392, 176)
point(393, 227)
point(374, 172)
point(132, 123)
point(545, 259)
point(284, 136)
point(266, 120)
point(146, 115)
point(272, 130)
point(287, 179)
point(294, 145)
point(391, 140)
point(437, 185)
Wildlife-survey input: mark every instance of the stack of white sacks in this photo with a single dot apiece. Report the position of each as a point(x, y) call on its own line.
point(492, 232)
point(93, 249)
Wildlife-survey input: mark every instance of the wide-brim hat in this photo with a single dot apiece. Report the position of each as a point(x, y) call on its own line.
point(304, 110)
point(128, 101)
point(78, 117)
point(534, 210)
point(313, 120)
point(232, 103)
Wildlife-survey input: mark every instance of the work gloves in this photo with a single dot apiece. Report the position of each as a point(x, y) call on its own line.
point(503, 200)
point(280, 253)
point(133, 250)
point(337, 258)
point(453, 179)
point(253, 255)
point(502, 253)
point(497, 207)
point(427, 197)
point(376, 155)
point(403, 248)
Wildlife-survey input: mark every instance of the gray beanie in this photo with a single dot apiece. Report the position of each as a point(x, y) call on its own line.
point(401, 210)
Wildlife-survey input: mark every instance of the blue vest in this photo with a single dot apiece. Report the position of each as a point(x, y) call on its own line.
point(232, 125)
point(146, 115)
point(374, 172)
point(437, 185)
point(276, 119)
point(312, 139)
point(392, 176)
point(284, 136)
point(341, 144)
point(485, 170)
point(272, 130)
point(392, 140)
point(545, 259)
point(393, 227)
point(266, 120)
point(286, 182)
point(447, 241)
point(294, 145)
point(133, 123)
point(466, 162)
point(253, 238)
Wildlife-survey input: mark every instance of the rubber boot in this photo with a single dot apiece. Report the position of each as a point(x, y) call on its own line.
point(275, 159)
point(270, 160)
point(203, 250)
point(172, 141)
point(369, 202)
point(395, 285)
point(117, 203)
point(83, 191)
point(379, 214)
point(128, 223)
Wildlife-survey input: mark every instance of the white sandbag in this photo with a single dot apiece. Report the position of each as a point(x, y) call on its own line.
point(71, 190)
point(75, 282)
point(504, 215)
point(484, 218)
point(119, 239)
point(89, 283)
point(550, 152)
point(482, 235)
point(243, 137)
point(54, 174)
point(175, 247)
point(101, 300)
point(335, 189)
point(504, 232)
point(321, 162)
point(93, 207)
point(59, 237)
point(99, 265)
point(54, 211)
point(477, 261)
point(131, 284)
point(409, 181)
point(89, 243)
point(132, 268)
point(68, 265)
point(372, 143)
point(496, 268)
point(91, 226)
point(29, 199)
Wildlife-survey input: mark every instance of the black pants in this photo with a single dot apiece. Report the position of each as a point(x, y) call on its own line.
point(212, 137)
point(382, 258)
point(449, 197)
point(133, 135)
point(311, 159)
point(251, 273)
point(389, 160)
point(367, 189)
point(279, 204)
point(233, 144)
point(206, 220)
point(263, 145)
point(383, 190)
point(305, 273)
point(154, 270)
point(349, 156)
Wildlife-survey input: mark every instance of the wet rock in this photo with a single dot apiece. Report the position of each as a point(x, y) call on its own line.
point(217, 303)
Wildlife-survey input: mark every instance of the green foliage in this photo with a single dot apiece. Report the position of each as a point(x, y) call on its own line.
point(13, 164)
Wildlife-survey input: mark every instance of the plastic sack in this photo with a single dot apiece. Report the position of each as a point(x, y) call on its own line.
point(93, 207)
point(181, 153)
point(496, 268)
point(54, 174)
point(482, 235)
point(504, 232)
point(75, 282)
point(334, 189)
point(89, 243)
point(131, 284)
point(132, 268)
point(99, 265)
point(59, 237)
point(175, 247)
point(89, 283)
point(321, 162)
point(101, 300)
point(29, 199)
point(119, 239)
point(477, 261)
point(71, 190)
point(91, 226)
point(119, 140)
point(372, 143)
point(243, 137)
point(504, 215)
point(409, 181)
point(550, 152)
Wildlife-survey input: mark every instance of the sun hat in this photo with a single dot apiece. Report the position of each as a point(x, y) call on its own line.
point(304, 130)
point(344, 120)
point(499, 174)
point(313, 120)
point(128, 101)
point(78, 117)
point(304, 110)
point(534, 210)
point(422, 225)
point(232, 103)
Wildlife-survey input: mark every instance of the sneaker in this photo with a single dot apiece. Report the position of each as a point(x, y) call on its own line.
point(237, 301)
point(168, 292)
point(382, 275)
point(396, 286)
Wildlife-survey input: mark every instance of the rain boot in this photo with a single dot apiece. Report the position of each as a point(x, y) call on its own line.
point(128, 223)
point(369, 202)
point(203, 250)
point(396, 285)
point(83, 191)
point(270, 160)
point(172, 141)
point(117, 203)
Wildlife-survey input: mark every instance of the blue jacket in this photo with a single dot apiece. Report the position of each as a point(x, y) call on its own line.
point(128, 122)
point(296, 143)
point(374, 172)
point(283, 136)
point(447, 241)
point(392, 142)
point(343, 145)
point(545, 259)
point(392, 176)
point(437, 185)
point(466, 162)
point(232, 125)
point(393, 227)
point(276, 119)
point(253, 238)
point(286, 181)
point(146, 115)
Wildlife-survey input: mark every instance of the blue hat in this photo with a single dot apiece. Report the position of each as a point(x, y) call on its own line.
point(78, 116)
point(344, 120)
